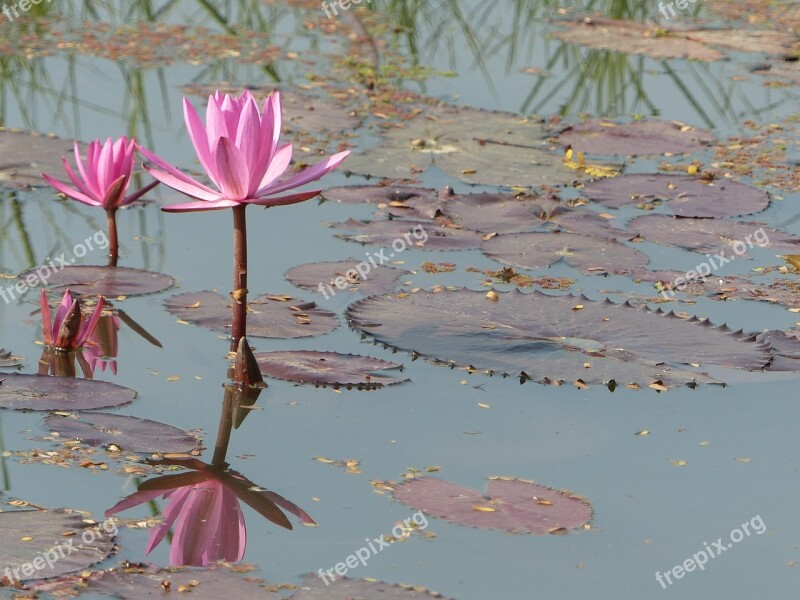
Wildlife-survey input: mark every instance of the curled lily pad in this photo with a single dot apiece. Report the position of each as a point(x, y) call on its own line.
point(375, 280)
point(268, 316)
point(509, 504)
point(556, 338)
point(313, 587)
point(71, 544)
point(93, 280)
point(652, 136)
point(326, 368)
point(8, 360)
point(42, 392)
point(127, 433)
point(588, 254)
point(400, 235)
point(684, 196)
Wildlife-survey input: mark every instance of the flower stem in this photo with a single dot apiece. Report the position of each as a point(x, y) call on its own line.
point(113, 244)
point(239, 293)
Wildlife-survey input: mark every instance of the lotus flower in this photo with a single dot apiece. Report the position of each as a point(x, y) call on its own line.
point(239, 150)
point(68, 331)
point(103, 180)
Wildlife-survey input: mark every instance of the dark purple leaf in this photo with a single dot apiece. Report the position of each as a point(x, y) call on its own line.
point(376, 280)
point(42, 392)
point(326, 368)
point(108, 281)
point(127, 433)
point(591, 255)
point(26, 155)
point(342, 588)
point(411, 234)
point(268, 316)
point(684, 196)
point(402, 201)
point(600, 136)
point(509, 504)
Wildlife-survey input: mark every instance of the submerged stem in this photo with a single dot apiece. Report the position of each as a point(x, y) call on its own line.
point(239, 293)
point(113, 244)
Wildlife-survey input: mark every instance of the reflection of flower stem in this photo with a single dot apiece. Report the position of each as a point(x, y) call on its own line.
point(23, 233)
point(3, 459)
point(239, 293)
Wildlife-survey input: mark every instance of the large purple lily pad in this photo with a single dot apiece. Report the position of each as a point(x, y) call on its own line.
point(108, 281)
point(600, 136)
point(42, 392)
point(401, 232)
point(127, 433)
point(268, 316)
point(378, 280)
point(28, 535)
point(326, 368)
point(684, 196)
point(509, 504)
point(8, 360)
point(342, 588)
point(734, 238)
point(556, 338)
point(591, 255)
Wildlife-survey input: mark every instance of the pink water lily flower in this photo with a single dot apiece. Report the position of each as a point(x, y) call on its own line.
point(68, 330)
point(238, 147)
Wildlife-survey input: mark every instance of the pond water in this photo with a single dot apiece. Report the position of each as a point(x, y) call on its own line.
point(711, 458)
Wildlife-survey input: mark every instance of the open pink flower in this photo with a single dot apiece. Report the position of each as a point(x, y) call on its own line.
point(68, 331)
point(239, 150)
point(105, 176)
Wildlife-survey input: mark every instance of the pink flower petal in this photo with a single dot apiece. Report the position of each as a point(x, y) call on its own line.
point(277, 167)
point(88, 174)
point(88, 328)
point(199, 137)
point(65, 189)
point(216, 125)
point(139, 193)
point(284, 200)
point(173, 170)
point(232, 172)
point(200, 206)
point(250, 145)
point(307, 176)
point(193, 189)
point(77, 182)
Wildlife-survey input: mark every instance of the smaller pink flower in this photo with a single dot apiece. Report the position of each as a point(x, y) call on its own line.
point(68, 331)
point(105, 176)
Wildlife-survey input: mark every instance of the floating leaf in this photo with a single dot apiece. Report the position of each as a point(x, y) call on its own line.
point(42, 392)
point(509, 504)
point(412, 234)
point(342, 588)
point(61, 534)
point(542, 337)
point(651, 136)
point(28, 155)
point(326, 368)
point(588, 254)
point(127, 433)
point(108, 281)
point(402, 201)
point(267, 316)
point(8, 360)
point(684, 196)
point(376, 280)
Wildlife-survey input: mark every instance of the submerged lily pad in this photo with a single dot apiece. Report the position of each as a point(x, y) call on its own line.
point(376, 280)
point(684, 196)
point(342, 588)
point(8, 360)
point(26, 155)
point(588, 254)
point(62, 535)
point(326, 368)
point(393, 233)
point(509, 504)
point(555, 338)
point(42, 392)
point(94, 280)
point(267, 316)
point(127, 433)
point(652, 136)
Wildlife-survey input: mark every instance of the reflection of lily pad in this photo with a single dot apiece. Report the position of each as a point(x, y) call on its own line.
point(326, 368)
point(8, 360)
point(555, 338)
point(685, 196)
point(409, 235)
point(600, 136)
point(509, 504)
point(267, 316)
point(108, 281)
point(27, 155)
point(28, 535)
point(591, 255)
point(41, 392)
point(127, 433)
point(376, 280)
point(314, 588)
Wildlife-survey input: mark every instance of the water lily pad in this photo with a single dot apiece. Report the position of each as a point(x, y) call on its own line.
point(94, 280)
point(268, 316)
point(314, 588)
point(747, 40)
point(387, 233)
point(376, 280)
point(555, 338)
point(61, 534)
point(26, 155)
point(379, 194)
point(509, 504)
point(684, 196)
point(8, 360)
point(127, 433)
point(41, 392)
point(326, 368)
point(712, 235)
point(473, 145)
point(652, 136)
point(588, 254)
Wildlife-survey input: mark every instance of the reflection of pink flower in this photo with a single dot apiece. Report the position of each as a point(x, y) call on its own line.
point(102, 345)
point(68, 331)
